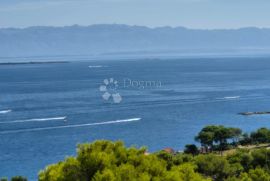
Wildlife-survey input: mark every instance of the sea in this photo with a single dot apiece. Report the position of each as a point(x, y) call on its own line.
point(47, 109)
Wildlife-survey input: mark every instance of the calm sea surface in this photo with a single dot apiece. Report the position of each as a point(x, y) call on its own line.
point(46, 109)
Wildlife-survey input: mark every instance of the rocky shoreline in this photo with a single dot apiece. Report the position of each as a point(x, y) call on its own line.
point(253, 113)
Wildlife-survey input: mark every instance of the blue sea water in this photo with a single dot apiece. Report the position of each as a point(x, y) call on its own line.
point(47, 109)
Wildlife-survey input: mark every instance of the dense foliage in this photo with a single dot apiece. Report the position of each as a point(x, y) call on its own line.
point(112, 161)
point(222, 138)
point(106, 161)
point(217, 137)
point(16, 178)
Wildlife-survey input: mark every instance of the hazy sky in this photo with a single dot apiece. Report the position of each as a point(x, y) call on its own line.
point(190, 13)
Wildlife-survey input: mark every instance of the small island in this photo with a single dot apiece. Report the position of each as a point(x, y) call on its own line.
point(253, 113)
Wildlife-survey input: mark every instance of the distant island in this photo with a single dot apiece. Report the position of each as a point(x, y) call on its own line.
point(31, 62)
point(111, 39)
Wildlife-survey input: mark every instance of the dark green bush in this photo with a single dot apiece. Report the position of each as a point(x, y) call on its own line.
point(18, 178)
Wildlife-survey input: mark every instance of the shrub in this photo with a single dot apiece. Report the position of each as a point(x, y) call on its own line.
point(191, 149)
point(18, 178)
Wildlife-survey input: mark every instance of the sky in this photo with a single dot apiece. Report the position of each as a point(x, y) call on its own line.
point(199, 14)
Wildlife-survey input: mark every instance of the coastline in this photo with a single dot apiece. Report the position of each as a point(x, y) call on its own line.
point(25, 63)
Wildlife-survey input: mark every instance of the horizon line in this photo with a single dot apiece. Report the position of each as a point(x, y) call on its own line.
point(128, 25)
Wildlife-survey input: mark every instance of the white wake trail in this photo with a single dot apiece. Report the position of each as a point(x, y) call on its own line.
point(232, 97)
point(36, 120)
point(5, 111)
point(229, 98)
point(95, 66)
point(70, 126)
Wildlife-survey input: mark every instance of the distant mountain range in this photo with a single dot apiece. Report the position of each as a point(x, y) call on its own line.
point(114, 39)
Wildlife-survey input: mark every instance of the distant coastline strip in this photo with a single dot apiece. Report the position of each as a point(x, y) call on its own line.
point(70, 126)
point(35, 120)
point(37, 62)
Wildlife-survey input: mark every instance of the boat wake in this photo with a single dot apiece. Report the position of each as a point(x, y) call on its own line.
point(70, 126)
point(95, 66)
point(5, 111)
point(36, 120)
point(230, 97)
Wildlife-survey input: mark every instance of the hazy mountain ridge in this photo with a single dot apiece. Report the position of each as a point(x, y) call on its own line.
point(99, 39)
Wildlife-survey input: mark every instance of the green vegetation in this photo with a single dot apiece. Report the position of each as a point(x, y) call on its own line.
point(247, 159)
point(17, 178)
point(112, 161)
point(106, 161)
point(217, 137)
point(191, 149)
